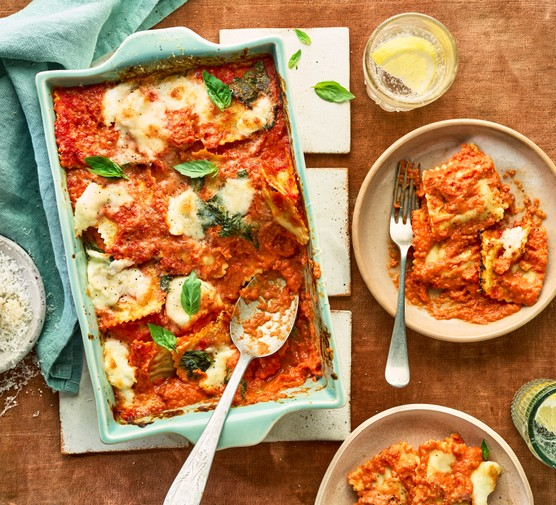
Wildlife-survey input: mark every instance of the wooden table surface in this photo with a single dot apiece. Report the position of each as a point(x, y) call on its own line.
point(507, 74)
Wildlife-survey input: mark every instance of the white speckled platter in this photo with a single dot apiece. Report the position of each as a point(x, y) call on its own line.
point(417, 424)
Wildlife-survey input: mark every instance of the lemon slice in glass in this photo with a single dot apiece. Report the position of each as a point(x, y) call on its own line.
point(408, 58)
point(546, 415)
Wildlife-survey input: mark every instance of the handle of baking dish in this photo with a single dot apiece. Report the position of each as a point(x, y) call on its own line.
point(240, 430)
point(153, 44)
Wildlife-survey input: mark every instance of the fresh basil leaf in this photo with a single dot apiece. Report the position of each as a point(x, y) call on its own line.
point(105, 167)
point(163, 337)
point(197, 168)
point(195, 360)
point(218, 92)
point(484, 450)
point(294, 60)
point(191, 294)
point(331, 91)
point(303, 37)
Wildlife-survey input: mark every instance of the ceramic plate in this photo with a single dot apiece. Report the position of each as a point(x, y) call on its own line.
point(431, 145)
point(35, 290)
point(417, 424)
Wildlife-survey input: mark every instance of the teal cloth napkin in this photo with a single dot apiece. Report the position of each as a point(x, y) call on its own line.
point(52, 34)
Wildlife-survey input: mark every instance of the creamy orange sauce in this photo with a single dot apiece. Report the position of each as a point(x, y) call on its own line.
point(445, 267)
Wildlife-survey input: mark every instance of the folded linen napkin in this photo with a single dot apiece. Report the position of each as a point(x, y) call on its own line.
point(51, 34)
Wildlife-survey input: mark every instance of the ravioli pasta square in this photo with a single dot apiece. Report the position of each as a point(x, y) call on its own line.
point(464, 194)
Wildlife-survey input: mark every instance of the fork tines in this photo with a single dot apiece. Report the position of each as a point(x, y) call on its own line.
point(405, 198)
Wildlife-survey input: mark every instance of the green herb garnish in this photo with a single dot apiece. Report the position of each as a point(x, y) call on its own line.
point(484, 450)
point(163, 337)
point(249, 87)
point(331, 91)
point(219, 93)
point(197, 168)
point(165, 283)
point(242, 174)
point(214, 214)
point(195, 360)
point(303, 37)
point(105, 167)
point(294, 60)
point(191, 294)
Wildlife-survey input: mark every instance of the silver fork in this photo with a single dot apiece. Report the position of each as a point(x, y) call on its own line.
point(404, 201)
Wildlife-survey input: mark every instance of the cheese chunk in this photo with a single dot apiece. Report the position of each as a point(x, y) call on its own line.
point(108, 281)
point(183, 218)
point(210, 301)
point(217, 372)
point(440, 462)
point(90, 205)
point(258, 117)
point(237, 195)
point(121, 292)
point(484, 481)
point(119, 372)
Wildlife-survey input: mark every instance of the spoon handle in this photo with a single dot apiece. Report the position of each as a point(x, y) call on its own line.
point(189, 484)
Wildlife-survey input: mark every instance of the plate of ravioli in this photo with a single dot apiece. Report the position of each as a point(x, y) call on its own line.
point(414, 453)
point(480, 265)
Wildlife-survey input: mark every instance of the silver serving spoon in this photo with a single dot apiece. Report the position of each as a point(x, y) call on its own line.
point(257, 329)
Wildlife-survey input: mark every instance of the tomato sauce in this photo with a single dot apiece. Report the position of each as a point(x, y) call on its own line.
point(225, 260)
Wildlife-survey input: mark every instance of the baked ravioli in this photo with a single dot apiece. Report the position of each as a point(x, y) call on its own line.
point(465, 194)
point(446, 472)
point(473, 258)
point(180, 200)
point(513, 263)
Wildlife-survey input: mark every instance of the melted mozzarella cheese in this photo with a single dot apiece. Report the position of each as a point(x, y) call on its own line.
point(258, 117)
point(174, 308)
point(119, 372)
point(217, 372)
point(183, 218)
point(484, 480)
point(109, 281)
point(513, 241)
point(94, 199)
point(440, 462)
point(237, 195)
point(139, 115)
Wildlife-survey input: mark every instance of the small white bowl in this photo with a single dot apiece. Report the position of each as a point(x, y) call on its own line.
point(416, 424)
point(35, 291)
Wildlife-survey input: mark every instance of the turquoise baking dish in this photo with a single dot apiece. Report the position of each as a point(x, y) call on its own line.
point(246, 425)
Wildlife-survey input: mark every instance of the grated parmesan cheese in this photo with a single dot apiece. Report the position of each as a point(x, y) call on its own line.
point(15, 305)
point(14, 380)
